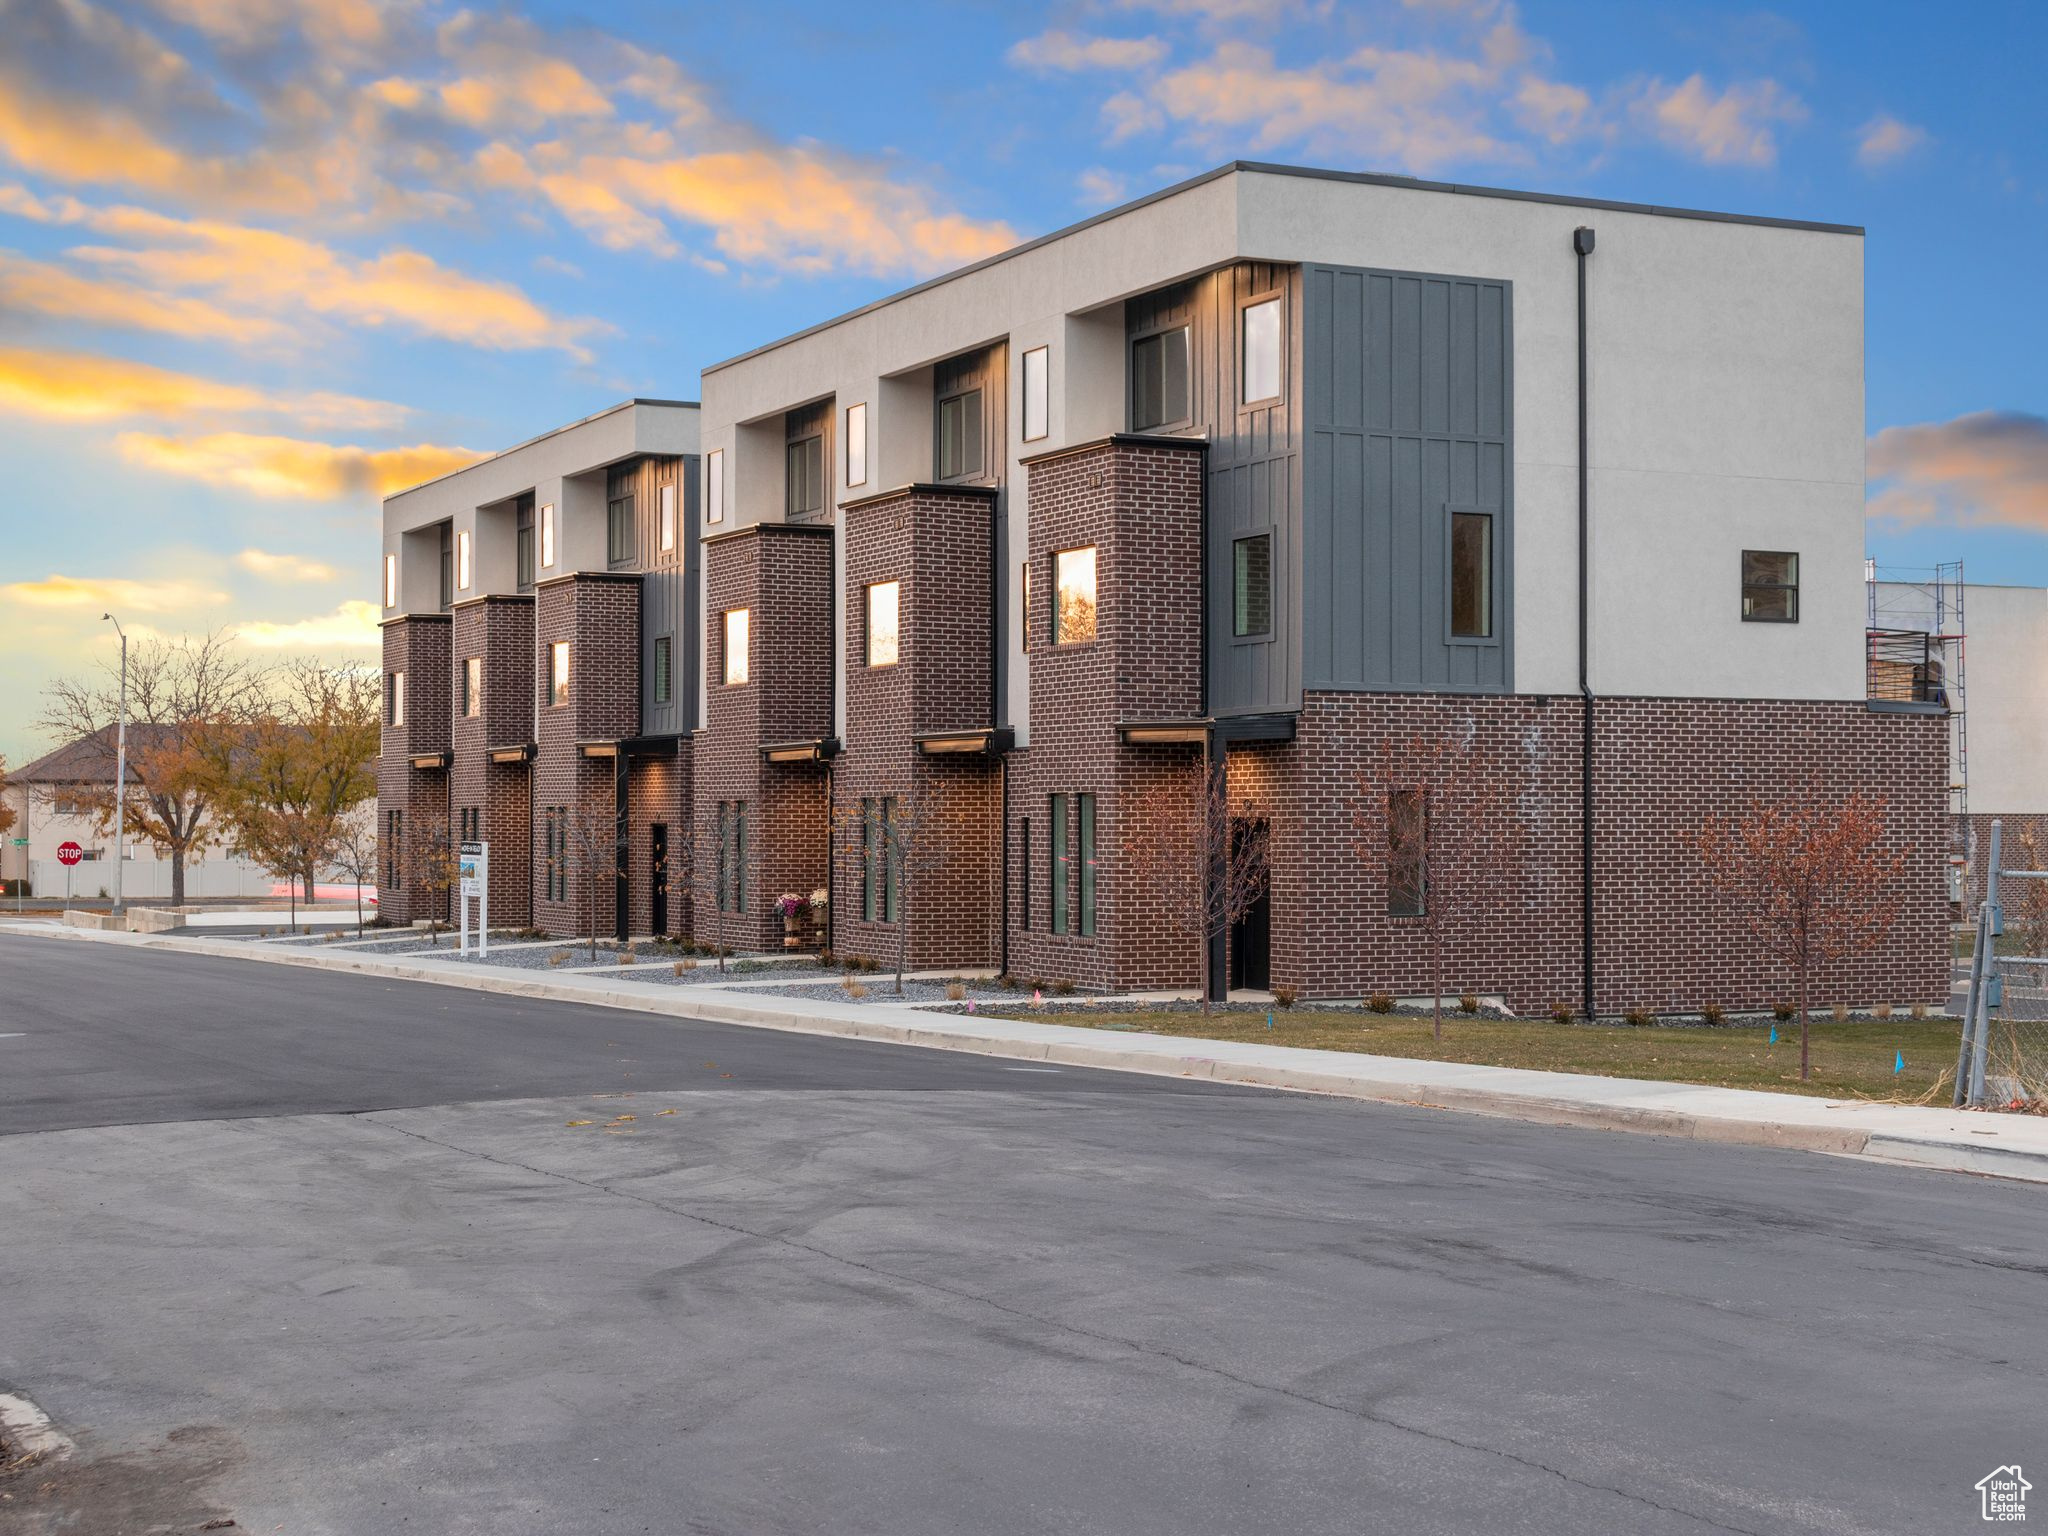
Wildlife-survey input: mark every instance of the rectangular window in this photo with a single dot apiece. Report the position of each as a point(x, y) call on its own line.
point(394, 698)
point(1084, 814)
point(462, 561)
point(735, 645)
point(722, 856)
point(1251, 582)
point(805, 483)
point(1770, 587)
point(470, 824)
point(558, 672)
point(892, 862)
point(1024, 605)
point(525, 544)
point(1159, 380)
point(1059, 870)
point(1261, 349)
point(1073, 620)
point(547, 537)
point(1037, 398)
point(551, 854)
point(1407, 853)
point(739, 855)
point(618, 521)
point(472, 686)
point(870, 856)
point(880, 897)
point(394, 850)
point(959, 454)
point(714, 486)
point(664, 659)
point(857, 444)
point(668, 518)
point(391, 581)
point(882, 629)
point(447, 565)
point(1024, 874)
point(1471, 576)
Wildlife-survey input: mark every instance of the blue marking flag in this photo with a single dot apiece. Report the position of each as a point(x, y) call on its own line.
point(1269, 1018)
point(1774, 1034)
point(1898, 1063)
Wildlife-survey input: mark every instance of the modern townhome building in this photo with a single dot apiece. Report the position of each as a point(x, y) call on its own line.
point(1270, 471)
point(540, 673)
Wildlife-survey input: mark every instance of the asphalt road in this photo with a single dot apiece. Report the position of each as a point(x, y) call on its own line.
point(324, 1254)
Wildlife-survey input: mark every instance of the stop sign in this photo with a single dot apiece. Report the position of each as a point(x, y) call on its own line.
point(69, 854)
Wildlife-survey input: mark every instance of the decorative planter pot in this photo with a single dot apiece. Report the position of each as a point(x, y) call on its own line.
point(792, 932)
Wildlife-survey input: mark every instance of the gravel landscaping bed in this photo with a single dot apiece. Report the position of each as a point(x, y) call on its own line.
point(707, 973)
point(882, 989)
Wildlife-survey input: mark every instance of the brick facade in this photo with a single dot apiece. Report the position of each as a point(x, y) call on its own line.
point(417, 646)
point(498, 631)
point(935, 543)
point(782, 575)
point(658, 793)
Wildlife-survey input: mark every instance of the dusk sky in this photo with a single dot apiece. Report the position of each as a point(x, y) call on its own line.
point(263, 260)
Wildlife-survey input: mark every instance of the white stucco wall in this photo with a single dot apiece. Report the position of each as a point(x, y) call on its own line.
point(2005, 699)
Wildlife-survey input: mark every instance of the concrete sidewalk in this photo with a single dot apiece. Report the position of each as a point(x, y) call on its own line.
point(2009, 1146)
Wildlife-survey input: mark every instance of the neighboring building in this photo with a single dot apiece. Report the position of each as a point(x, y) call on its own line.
point(1279, 465)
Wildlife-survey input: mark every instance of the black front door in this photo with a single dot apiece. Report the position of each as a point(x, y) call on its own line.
point(657, 871)
point(1251, 935)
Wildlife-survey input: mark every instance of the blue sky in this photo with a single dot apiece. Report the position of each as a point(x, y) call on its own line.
point(262, 258)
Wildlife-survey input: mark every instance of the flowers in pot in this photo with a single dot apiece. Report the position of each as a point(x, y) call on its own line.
point(793, 909)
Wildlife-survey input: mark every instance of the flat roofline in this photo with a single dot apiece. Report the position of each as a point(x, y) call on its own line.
point(1269, 168)
point(570, 426)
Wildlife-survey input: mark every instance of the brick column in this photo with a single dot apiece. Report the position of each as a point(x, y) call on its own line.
point(416, 645)
point(498, 630)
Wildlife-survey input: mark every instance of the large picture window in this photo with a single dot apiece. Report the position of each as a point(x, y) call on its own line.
point(1159, 380)
point(1036, 395)
point(883, 603)
point(736, 625)
point(1251, 582)
point(1471, 576)
point(1260, 348)
point(1770, 587)
point(1073, 620)
point(959, 455)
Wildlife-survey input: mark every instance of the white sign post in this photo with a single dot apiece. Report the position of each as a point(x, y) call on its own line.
point(474, 869)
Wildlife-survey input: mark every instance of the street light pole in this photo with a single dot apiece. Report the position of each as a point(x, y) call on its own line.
point(120, 764)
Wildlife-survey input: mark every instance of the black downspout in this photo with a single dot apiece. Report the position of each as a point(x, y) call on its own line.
point(1215, 751)
point(621, 830)
point(831, 855)
point(1582, 244)
point(998, 559)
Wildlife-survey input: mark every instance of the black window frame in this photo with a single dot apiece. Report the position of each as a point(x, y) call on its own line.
point(969, 467)
point(447, 566)
point(1058, 867)
point(1789, 588)
point(1490, 593)
point(524, 545)
point(1134, 355)
point(662, 664)
point(803, 485)
point(1084, 848)
point(1240, 616)
point(620, 532)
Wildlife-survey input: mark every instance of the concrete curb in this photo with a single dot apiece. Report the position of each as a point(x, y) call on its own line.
point(1729, 1116)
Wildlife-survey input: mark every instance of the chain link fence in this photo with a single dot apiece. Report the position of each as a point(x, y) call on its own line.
point(2003, 1060)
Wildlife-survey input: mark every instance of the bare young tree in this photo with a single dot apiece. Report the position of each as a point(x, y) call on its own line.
point(902, 839)
point(1811, 879)
point(703, 863)
point(355, 855)
point(594, 843)
point(1196, 861)
point(436, 851)
point(1438, 822)
point(182, 694)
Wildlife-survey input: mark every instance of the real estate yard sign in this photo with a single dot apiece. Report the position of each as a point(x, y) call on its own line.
point(473, 870)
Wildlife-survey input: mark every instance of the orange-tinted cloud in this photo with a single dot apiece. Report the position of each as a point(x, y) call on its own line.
point(1737, 126)
point(1986, 467)
point(354, 623)
point(274, 567)
point(105, 592)
point(78, 386)
point(43, 288)
point(293, 467)
point(1068, 51)
point(1884, 139)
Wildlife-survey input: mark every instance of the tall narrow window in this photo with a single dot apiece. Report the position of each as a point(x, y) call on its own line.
point(558, 672)
point(959, 430)
point(1261, 352)
point(1024, 605)
point(524, 561)
point(394, 850)
point(1036, 395)
point(736, 645)
point(394, 698)
point(722, 851)
point(1024, 873)
point(1073, 620)
point(1251, 581)
point(1060, 868)
point(739, 855)
point(1159, 380)
point(882, 627)
point(857, 444)
point(447, 565)
point(1770, 587)
point(391, 581)
point(714, 486)
point(664, 683)
point(892, 861)
point(1084, 816)
point(472, 686)
point(1407, 853)
point(1471, 575)
point(805, 478)
point(619, 515)
point(547, 537)
point(870, 860)
point(668, 518)
point(462, 561)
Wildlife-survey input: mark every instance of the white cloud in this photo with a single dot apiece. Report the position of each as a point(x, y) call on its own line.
point(273, 567)
point(1985, 467)
point(1736, 126)
point(1884, 139)
point(353, 624)
point(1071, 51)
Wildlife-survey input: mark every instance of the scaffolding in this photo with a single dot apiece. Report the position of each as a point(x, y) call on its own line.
point(1916, 648)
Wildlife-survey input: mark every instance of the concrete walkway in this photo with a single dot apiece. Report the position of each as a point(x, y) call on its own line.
point(2008, 1146)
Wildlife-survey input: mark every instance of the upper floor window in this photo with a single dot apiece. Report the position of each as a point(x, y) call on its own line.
point(394, 698)
point(857, 444)
point(714, 486)
point(472, 686)
point(447, 565)
point(523, 517)
point(959, 431)
point(668, 518)
point(547, 537)
point(736, 645)
point(883, 598)
point(619, 516)
point(664, 669)
point(1159, 380)
point(1471, 575)
point(1770, 587)
point(391, 581)
point(1036, 398)
point(558, 672)
point(462, 570)
point(1251, 580)
point(1073, 620)
point(1261, 351)
point(804, 487)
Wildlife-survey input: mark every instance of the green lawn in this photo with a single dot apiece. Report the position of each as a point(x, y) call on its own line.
point(1850, 1060)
